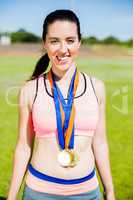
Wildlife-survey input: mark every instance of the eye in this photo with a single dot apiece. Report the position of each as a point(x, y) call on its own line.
point(54, 42)
point(70, 41)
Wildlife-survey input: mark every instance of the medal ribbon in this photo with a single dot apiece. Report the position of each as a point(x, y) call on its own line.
point(65, 112)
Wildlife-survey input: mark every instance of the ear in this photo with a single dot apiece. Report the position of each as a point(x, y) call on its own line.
point(43, 44)
point(79, 44)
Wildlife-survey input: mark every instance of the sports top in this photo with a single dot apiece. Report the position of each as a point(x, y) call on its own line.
point(44, 114)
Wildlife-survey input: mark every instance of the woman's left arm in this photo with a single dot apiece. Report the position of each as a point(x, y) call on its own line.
point(100, 144)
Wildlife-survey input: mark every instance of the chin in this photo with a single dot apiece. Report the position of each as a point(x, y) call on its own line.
point(64, 67)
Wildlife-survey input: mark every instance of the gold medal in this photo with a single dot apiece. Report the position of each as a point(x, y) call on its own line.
point(75, 158)
point(65, 158)
point(65, 123)
point(68, 158)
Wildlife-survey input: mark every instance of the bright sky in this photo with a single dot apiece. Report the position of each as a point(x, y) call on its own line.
point(100, 18)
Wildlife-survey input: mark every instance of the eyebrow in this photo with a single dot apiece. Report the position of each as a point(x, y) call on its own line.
point(56, 38)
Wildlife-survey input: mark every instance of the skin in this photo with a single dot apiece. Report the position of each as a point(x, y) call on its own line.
point(62, 44)
point(96, 148)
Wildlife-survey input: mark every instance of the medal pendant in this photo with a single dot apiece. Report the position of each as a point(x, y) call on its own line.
point(75, 158)
point(68, 158)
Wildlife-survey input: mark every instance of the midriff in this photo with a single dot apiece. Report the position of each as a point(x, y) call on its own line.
point(44, 159)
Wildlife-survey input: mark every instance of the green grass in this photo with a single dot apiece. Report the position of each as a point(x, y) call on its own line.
point(117, 74)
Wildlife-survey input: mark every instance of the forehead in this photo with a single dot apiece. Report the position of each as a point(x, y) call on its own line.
point(62, 29)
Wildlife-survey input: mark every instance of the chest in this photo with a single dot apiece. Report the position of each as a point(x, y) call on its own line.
point(86, 113)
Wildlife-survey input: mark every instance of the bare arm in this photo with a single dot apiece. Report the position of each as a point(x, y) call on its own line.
point(100, 145)
point(24, 144)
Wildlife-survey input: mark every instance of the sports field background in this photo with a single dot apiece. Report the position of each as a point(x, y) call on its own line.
point(114, 65)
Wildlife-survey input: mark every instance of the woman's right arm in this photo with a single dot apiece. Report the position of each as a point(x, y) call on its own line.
point(24, 143)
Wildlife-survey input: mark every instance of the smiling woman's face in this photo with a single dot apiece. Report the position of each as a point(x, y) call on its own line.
point(62, 44)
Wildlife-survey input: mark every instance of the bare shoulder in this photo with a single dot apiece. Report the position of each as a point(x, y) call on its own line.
point(27, 92)
point(99, 87)
point(99, 84)
point(29, 85)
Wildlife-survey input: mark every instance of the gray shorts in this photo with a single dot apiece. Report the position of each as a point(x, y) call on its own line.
point(29, 194)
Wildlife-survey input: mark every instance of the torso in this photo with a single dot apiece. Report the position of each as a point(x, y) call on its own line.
point(45, 152)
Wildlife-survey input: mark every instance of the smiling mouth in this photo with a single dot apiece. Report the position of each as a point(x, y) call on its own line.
point(62, 59)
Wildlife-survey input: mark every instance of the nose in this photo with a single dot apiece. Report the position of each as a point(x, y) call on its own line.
point(63, 47)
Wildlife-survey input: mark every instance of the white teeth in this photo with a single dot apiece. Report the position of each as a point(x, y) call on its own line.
point(62, 58)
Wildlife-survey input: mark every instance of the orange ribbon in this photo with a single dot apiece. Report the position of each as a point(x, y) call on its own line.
point(68, 131)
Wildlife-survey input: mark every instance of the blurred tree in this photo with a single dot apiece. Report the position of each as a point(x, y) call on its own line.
point(90, 40)
point(23, 36)
point(130, 42)
point(110, 40)
point(21, 30)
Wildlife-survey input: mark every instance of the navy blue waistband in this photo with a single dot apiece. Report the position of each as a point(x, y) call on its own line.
point(42, 176)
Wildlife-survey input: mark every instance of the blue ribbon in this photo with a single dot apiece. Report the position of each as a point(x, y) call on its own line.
point(67, 107)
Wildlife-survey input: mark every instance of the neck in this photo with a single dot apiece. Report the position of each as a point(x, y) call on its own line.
point(63, 76)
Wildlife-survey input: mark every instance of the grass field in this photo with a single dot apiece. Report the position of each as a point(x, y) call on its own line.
point(118, 77)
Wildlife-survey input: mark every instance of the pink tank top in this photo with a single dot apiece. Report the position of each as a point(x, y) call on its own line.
point(44, 115)
point(44, 123)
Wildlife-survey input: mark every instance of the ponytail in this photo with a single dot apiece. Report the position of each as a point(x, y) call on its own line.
point(41, 66)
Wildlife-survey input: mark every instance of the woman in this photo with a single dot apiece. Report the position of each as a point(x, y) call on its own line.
point(63, 112)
